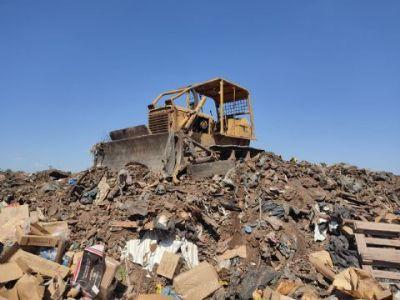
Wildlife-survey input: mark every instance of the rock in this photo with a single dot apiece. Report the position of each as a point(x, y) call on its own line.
point(350, 184)
point(381, 176)
point(160, 189)
point(58, 174)
point(338, 248)
point(89, 196)
point(273, 209)
point(49, 187)
point(256, 278)
point(138, 206)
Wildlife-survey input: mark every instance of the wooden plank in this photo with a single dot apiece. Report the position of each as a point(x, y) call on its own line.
point(367, 268)
point(391, 256)
point(386, 274)
point(374, 256)
point(382, 242)
point(379, 227)
point(124, 224)
point(361, 245)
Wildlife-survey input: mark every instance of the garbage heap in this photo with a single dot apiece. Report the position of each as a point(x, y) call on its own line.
point(267, 229)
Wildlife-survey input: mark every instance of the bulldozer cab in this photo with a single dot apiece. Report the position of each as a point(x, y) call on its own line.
point(186, 109)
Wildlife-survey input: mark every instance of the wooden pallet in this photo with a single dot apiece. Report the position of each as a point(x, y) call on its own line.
point(379, 247)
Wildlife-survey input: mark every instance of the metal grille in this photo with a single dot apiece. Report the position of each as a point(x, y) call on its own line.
point(158, 122)
point(238, 107)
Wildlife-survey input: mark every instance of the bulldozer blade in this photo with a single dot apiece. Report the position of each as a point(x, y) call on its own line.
point(156, 151)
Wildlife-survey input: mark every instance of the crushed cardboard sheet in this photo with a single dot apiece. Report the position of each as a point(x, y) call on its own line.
point(40, 265)
point(168, 264)
point(10, 271)
point(197, 283)
point(240, 251)
point(359, 284)
point(322, 262)
point(11, 218)
point(30, 287)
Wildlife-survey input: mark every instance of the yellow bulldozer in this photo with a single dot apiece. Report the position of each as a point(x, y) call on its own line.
point(180, 136)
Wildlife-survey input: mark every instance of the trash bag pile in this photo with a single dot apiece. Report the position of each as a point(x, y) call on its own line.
point(267, 229)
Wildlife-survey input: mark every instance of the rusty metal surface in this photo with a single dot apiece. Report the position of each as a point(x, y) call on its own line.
point(129, 132)
point(155, 151)
point(210, 169)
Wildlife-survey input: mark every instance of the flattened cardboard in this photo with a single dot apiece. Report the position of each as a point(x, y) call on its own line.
point(240, 251)
point(322, 262)
point(12, 217)
point(29, 288)
point(197, 283)
point(108, 281)
point(41, 265)
point(23, 265)
point(168, 264)
point(13, 212)
point(10, 271)
point(359, 284)
point(10, 294)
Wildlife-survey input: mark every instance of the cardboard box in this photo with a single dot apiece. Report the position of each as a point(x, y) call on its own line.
point(90, 270)
point(35, 240)
point(58, 228)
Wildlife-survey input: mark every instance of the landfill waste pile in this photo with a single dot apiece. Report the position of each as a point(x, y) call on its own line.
point(267, 229)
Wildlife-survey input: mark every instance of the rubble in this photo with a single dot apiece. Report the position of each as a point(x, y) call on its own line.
point(266, 228)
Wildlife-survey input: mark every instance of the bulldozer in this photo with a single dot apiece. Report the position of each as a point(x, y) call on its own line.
point(180, 136)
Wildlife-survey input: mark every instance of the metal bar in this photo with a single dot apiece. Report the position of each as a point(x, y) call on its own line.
point(253, 136)
point(195, 112)
point(221, 106)
point(180, 94)
point(154, 102)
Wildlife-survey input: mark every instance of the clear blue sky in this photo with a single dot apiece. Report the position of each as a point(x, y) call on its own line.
point(324, 75)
